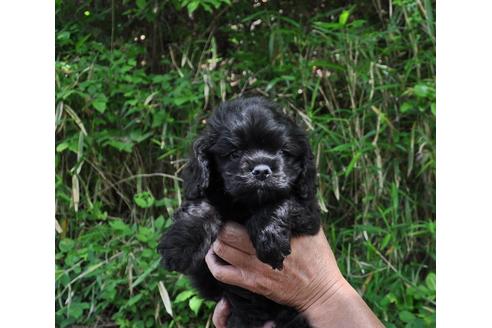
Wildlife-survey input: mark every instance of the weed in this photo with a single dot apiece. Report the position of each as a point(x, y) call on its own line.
point(135, 82)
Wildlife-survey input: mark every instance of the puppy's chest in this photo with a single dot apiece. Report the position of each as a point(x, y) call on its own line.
point(237, 214)
point(242, 213)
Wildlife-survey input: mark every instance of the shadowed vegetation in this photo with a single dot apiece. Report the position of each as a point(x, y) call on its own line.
point(135, 81)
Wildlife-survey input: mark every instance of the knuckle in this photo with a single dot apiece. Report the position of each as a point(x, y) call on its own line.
point(263, 285)
point(248, 281)
point(218, 274)
point(219, 247)
point(228, 234)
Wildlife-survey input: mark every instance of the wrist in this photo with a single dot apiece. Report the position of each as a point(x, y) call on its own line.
point(322, 293)
point(340, 305)
point(331, 298)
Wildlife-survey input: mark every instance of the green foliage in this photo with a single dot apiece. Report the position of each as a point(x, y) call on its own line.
point(135, 81)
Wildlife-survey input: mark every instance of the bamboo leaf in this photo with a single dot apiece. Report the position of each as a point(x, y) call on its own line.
point(165, 298)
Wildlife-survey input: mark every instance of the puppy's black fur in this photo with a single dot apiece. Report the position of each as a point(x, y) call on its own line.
point(253, 165)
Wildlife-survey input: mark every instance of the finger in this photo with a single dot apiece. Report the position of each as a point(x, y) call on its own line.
point(221, 313)
point(236, 235)
point(231, 255)
point(225, 273)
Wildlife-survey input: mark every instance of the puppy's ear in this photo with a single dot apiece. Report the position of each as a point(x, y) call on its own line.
point(196, 174)
point(306, 182)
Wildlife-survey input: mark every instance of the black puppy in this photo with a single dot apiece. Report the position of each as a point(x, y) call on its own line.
point(253, 165)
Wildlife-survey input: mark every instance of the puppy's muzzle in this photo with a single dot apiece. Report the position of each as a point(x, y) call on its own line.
point(261, 171)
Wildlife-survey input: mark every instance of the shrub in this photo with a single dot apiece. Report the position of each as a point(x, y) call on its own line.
point(135, 82)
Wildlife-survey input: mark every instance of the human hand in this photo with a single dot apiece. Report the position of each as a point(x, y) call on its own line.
point(310, 280)
point(310, 272)
point(221, 313)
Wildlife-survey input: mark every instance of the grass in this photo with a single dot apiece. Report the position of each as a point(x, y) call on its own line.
point(135, 82)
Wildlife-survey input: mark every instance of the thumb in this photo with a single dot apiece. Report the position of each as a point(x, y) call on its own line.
point(221, 313)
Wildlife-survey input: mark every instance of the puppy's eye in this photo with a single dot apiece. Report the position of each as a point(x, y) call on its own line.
point(284, 152)
point(234, 154)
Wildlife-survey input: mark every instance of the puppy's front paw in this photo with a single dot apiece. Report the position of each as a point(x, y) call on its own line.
point(272, 246)
point(174, 257)
point(184, 245)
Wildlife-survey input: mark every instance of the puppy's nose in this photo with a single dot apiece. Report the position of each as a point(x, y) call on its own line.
point(261, 172)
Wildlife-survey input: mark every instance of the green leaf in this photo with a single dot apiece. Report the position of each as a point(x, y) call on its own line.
point(146, 273)
point(133, 300)
point(183, 296)
point(138, 136)
point(109, 292)
point(421, 90)
point(418, 323)
point(159, 222)
point(180, 100)
point(61, 147)
point(63, 36)
point(144, 199)
point(385, 241)
point(344, 16)
point(183, 283)
point(66, 244)
point(71, 143)
point(195, 303)
point(125, 146)
point(352, 163)
point(100, 103)
point(119, 226)
point(430, 281)
point(406, 107)
point(145, 234)
point(390, 298)
point(406, 316)
point(326, 27)
point(192, 6)
point(141, 4)
point(76, 310)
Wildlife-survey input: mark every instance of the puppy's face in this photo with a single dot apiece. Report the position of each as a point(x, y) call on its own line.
point(257, 152)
